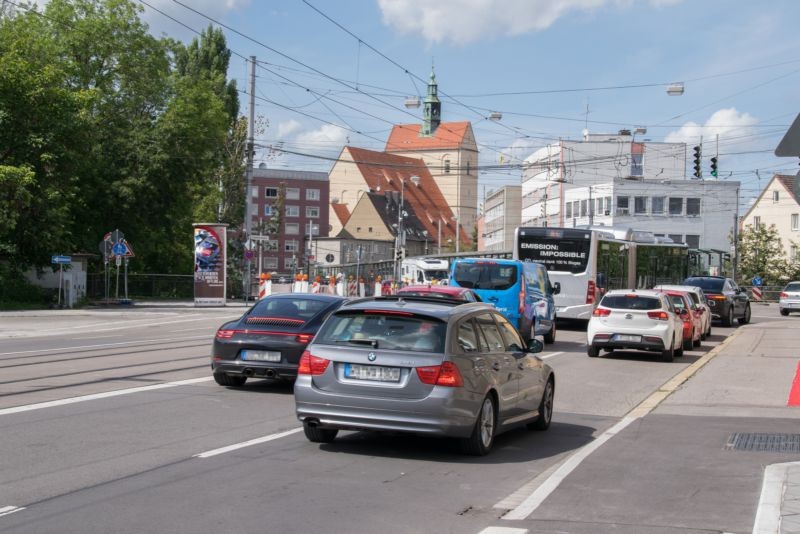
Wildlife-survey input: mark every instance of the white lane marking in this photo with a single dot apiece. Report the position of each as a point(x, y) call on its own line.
point(105, 395)
point(536, 498)
point(89, 336)
point(551, 355)
point(5, 510)
point(99, 345)
point(256, 441)
point(768, 514)
point(503, 530)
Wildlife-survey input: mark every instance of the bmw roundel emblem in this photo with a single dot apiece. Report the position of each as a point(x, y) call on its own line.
point(371, 356)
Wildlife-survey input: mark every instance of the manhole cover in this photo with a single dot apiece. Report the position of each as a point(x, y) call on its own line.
point(745, 441)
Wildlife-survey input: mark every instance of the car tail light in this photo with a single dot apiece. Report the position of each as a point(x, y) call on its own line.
point(784, 295)
point(652, 339)
point(226, 334)
point(521, 299)
point(658, 315)
point(304, 338)
point(446, 374)
point(312, 365)
point(601, 312)
point(590, 289)
point(602, 336)
point(717, 297)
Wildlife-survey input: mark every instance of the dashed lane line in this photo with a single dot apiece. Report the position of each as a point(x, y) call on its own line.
point(243, 444)
point(6, 510)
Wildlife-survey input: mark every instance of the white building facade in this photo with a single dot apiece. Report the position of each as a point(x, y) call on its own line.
point(779, 204)
point(615, 180)
point(502, 210)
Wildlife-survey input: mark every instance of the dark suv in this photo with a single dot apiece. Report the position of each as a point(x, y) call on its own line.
point(726, 300)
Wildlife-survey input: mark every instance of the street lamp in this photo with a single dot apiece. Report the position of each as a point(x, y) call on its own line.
point(675, 89)
point(400, 238)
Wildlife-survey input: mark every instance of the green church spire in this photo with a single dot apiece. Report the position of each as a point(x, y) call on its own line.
point(433, 108)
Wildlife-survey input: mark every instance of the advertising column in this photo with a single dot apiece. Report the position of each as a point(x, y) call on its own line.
point(210, 254)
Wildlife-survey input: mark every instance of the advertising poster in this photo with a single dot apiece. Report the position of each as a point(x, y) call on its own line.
point(209, 264)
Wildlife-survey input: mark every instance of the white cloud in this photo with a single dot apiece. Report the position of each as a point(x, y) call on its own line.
point(327, 134)
point(725, 123)
point(464, 21)
point(289, 127)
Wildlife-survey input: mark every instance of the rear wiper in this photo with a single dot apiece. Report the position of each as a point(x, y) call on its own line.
point(371, 342)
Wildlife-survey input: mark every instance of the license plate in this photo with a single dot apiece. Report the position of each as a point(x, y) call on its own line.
point(626, 337)
point(260, 356)
point(372, 372)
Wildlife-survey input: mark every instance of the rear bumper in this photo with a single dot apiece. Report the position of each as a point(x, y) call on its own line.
point(444, 412)
point(719, 309)
point(654, 344)
point(255, 369)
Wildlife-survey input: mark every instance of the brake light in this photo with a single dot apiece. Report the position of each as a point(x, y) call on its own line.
point(658, 315)
point(521, 299)
point(226, 334)
point(312, 365)
point(389, 312)
point(717, 297)
point(446, 375)
point(784, 295)
point(601, 312)
point(590, 290)
point(303, 338)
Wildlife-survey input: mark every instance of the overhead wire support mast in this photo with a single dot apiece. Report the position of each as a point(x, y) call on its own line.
point(248, 193)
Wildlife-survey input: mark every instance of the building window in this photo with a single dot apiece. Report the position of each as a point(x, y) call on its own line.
point(583, 208)
point(639, 205)
point(291, 246)
point(292, 228)
point(312, 212)
point(795, 221)
point(254, 191)
point(447, 166)
point(312, 194)
point(678, 238)
point(313, 228)
point(793, 253)
point(756, 222)
point(270, 263)
point(267, 210)
point(292, 193)
point(271, 192)
point(271, 245)
point(657, 205)
point(369, 229)
point(468, 169)
point(776, 196)
point(622, 205)
point(568, 210)
point(693, 241)
point(637, 167)
point(675, 206)
point(289, 263)
point(692, 206)
point(293, 211)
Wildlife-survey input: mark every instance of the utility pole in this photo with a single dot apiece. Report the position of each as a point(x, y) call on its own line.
point(736, 239)
point(248, 220)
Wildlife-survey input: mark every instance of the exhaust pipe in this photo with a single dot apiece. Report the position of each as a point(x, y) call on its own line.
point(248, 372)
point(270, 373)
point(312, 422)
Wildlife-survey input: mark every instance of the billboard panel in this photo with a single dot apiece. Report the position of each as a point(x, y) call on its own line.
point(210, 253)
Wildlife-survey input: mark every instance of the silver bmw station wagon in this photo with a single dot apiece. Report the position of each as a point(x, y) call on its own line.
point(425, 366)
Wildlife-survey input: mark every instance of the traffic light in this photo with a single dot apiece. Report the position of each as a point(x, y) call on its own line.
point(714, 166)
point(697, 156)
point(398, 254)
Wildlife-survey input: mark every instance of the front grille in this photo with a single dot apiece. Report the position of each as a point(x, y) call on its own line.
point(275, 321)
point(762, 442)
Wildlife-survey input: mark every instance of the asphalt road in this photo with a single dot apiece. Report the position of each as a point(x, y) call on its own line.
point(110, 422)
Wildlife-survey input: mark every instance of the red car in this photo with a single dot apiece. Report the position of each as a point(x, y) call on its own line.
point(450, 292)
point(692, 322)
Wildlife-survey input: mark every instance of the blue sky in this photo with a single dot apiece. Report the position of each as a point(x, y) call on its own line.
point(318, 87)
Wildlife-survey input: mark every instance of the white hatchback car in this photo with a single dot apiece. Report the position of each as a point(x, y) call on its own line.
point(635, 320)
point(790, 298)
point(700, 307)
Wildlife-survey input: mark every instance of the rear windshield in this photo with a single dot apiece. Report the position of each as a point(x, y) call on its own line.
point(706, 284)
point(431, 294)
point(288, 307)
point(677, 301)
point(486, 275)
point(625, 302)
point(794, 286)
point(383, 331)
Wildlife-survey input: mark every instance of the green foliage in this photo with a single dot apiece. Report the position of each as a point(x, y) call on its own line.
point(17, 293)
point(761, 253)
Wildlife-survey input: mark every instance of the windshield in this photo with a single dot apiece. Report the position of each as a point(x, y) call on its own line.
point(706, 284)
point(438, 274)
point(486, 275)
point(384, 331)
point(559, 250)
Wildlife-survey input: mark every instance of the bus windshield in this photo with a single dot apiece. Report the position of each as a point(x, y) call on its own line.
point(561, 250)
point(485, 275)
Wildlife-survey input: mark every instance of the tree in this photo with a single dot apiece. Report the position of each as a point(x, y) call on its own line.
point(761, 253)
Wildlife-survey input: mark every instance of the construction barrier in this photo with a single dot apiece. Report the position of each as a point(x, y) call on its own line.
point(756, 292)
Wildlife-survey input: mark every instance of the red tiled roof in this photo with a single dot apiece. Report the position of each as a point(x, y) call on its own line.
point(406, 137)
point(788, 182)
point(341, 212)
point(384, 172)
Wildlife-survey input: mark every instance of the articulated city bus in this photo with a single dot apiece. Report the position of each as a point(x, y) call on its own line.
point(587, 262)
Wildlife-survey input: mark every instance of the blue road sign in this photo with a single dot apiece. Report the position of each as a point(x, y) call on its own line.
point(65, 260)
point(757, 281)
point(120, 248)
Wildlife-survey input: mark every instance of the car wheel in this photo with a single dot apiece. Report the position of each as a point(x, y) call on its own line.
point(592, 351)
point(744, 319)
point(728, 319)
point(318, 434)
point(697, 341)
point(550, 337)
point(230, 381)
point(784, 312)
point(669, 354)
point(708, 332)
point(545, 408)
point(687, 344)
point(482, 438)
point(608, 350)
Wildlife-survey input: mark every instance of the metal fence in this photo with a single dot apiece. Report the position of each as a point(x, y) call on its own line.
point(155, 286)
point(768, 293)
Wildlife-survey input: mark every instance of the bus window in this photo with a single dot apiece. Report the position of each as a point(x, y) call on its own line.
point(485, 275)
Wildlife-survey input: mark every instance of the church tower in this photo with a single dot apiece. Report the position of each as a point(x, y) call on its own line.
point(432, 114)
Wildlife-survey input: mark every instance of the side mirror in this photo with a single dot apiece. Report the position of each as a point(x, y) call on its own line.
point(684, 313)
point(535, 346)
point(556, 288)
